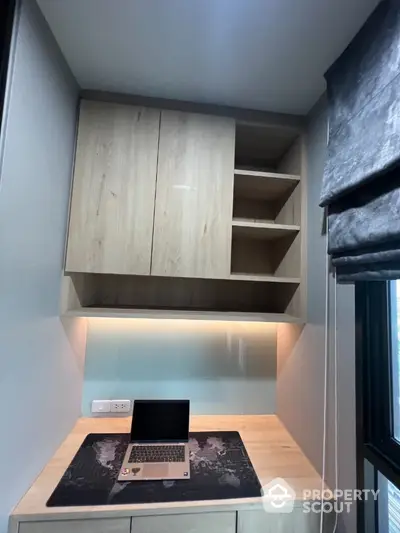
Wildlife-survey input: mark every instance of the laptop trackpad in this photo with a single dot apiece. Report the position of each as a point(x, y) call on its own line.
point(157, 470)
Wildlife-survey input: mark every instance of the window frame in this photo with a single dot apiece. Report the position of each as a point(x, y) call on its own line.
point(7, 13)
point(376, 341)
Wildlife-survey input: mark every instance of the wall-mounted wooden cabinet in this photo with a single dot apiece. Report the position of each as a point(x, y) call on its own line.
point(181, 212)
point(152, 193)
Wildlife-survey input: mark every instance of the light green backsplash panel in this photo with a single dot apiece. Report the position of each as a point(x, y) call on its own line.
point(222, 367)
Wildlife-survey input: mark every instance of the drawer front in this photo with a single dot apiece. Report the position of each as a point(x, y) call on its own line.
point(117, 525)
point(186, 523)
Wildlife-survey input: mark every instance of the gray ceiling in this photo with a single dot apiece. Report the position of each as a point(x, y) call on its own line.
point(260, 54)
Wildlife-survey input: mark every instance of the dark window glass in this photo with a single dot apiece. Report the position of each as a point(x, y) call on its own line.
point(388, 506)
point(395, 355)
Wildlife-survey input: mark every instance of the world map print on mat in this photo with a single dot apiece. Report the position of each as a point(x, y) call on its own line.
point(219, 468)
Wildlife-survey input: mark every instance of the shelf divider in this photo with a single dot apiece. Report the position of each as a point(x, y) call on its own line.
point(264, 185)
point(264, 278)
point(263, 230)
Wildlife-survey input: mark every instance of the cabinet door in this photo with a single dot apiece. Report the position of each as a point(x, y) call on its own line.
point(295, 522)
point(106, 525)
point(112, 208)
point(194, 197)
point(224, 522)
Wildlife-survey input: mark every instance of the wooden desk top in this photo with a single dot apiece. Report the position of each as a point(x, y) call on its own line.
point(272, 451)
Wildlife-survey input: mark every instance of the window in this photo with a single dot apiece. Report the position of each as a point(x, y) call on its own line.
point(395, 334)
point(388, 506)
point(378, 401)
point(393, 508)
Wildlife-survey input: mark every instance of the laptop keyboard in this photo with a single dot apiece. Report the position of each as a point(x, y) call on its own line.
point(157, 454)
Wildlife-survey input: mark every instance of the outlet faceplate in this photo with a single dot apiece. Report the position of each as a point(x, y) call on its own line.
point(101, 406)
point(120, 406)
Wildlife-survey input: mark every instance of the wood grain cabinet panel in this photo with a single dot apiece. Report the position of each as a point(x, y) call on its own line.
point(224, 522)
point(106, 525)
point(194, 197)
point(112, 207)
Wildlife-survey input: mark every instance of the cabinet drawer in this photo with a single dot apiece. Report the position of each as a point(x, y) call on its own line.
point(117, 525)
point(186, 523)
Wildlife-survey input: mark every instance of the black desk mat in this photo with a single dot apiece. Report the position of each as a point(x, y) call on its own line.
point(219, 467)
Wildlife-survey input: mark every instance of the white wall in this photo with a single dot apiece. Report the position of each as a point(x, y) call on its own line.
point(301, 351)
point(40, 359)
point(222, 367)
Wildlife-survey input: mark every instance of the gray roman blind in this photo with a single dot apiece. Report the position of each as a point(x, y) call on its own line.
point(361, 185)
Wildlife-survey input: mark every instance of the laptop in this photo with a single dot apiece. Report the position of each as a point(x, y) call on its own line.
point(159, 447)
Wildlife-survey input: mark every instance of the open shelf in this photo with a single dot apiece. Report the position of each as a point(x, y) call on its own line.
point(276, 258)
point(262, 147)
point(263, 230)
point(259, 185)
point(267, 180)
point(241, 297)
point(267, 211)
point(261, 197)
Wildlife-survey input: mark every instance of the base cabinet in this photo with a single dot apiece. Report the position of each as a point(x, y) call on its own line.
point(106, 525)
point(255, 521)
point(187, 523)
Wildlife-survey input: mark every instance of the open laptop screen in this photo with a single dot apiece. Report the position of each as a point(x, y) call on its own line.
point(160, 421)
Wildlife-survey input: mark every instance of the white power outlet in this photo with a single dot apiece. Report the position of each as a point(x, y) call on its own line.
point(120, 406)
